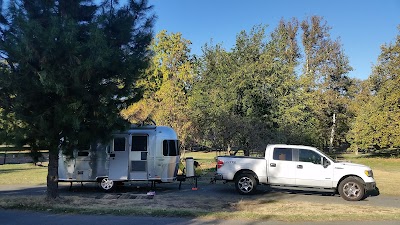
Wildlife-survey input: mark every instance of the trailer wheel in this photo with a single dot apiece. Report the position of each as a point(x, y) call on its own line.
point(245, 184)
point(352, 189)
point(107, 184)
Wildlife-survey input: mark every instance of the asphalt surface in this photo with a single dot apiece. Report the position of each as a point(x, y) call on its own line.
point(14, 217)
point(219, 190)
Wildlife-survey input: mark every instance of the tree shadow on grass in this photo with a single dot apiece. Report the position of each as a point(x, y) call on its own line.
point(12, 170)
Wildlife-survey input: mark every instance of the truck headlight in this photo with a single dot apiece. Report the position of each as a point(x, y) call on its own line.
point(369, 173)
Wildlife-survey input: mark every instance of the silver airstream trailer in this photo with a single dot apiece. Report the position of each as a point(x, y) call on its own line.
point(142, 153)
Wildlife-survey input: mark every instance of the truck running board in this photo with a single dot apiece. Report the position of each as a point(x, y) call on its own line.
point(303, 188)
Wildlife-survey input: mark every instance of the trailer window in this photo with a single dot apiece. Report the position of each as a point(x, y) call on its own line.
point(83, 153)
point(170, 148)
point(283, 154)
point(139, 143)
point(137, 166)
point(119, 144)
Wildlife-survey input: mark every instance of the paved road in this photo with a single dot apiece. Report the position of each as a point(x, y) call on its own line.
point(14, 217)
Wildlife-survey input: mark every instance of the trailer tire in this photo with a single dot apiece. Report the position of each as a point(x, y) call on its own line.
point(107, 184)
point(246, 184)
point(352, 189)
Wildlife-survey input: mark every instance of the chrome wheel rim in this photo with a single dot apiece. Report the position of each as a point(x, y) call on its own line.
point(245, 184)
point(106, 184)
point(352, 190)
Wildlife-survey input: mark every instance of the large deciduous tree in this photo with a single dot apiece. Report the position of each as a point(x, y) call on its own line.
point(241, 96)
point(167, 85)
point(377, 123)
point(325, 81)
point(68, 68)
point(212, 99)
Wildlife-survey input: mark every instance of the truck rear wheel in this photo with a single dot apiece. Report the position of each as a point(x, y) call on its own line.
point(352, 189)
point(245, 183)
point(106, 184)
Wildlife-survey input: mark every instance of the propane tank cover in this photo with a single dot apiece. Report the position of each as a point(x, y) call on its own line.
point(189, 167)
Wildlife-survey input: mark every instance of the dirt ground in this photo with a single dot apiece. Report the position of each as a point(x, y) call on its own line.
point(215, 199)
point(217, 194)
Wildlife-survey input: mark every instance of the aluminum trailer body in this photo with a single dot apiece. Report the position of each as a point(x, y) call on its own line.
point(143, 153)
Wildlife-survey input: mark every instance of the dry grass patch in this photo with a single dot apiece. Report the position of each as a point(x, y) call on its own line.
point(386, 173)
point(210, 208)
point(309, 211)
point(387, 182)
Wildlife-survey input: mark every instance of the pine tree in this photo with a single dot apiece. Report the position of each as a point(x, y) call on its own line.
point(68, 68)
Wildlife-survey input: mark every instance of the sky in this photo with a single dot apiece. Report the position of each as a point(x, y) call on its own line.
point(361, 25)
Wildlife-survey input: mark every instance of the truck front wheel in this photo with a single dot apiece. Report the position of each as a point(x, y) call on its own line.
point(352, 189)
point(245, 184)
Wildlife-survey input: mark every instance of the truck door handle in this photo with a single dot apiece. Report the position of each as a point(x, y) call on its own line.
point(272, 164)
point(299, 166)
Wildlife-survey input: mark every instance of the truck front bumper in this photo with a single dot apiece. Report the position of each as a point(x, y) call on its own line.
point(371, 189)
point(370, 186)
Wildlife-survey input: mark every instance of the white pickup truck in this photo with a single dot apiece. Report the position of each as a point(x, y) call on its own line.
point(296, 167)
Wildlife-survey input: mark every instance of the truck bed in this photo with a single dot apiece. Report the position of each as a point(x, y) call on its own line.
point(228, 166)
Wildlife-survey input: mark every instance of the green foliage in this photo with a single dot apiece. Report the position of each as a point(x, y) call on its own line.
point(252, 96)
point(241, 96)
point(69, 67)
point(325, 82)
point(377, 123)
point(166, 85)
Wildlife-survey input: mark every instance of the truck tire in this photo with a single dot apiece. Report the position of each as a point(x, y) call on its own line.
point(352, 189)
point(106, 184)
point(245, 184)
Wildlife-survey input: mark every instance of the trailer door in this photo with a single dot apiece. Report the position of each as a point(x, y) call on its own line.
point(138, 158)
point(119, 158)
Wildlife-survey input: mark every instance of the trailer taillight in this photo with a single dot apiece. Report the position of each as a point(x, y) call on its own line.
point(220, 164)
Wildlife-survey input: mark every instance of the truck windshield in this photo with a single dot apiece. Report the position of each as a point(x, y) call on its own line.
point(327, 156)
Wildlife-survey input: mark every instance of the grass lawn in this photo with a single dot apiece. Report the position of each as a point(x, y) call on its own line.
point(264, 207)
point(386, 172)
point(23, 174)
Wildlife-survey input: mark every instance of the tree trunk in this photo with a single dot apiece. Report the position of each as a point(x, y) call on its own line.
point(332, 133)
point(52, 174)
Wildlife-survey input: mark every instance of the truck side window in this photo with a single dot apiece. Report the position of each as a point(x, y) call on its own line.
point(309, 156)
point(170, 148)
point(283, 154)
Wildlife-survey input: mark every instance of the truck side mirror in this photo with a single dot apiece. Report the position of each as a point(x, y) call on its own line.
point(325, 162)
